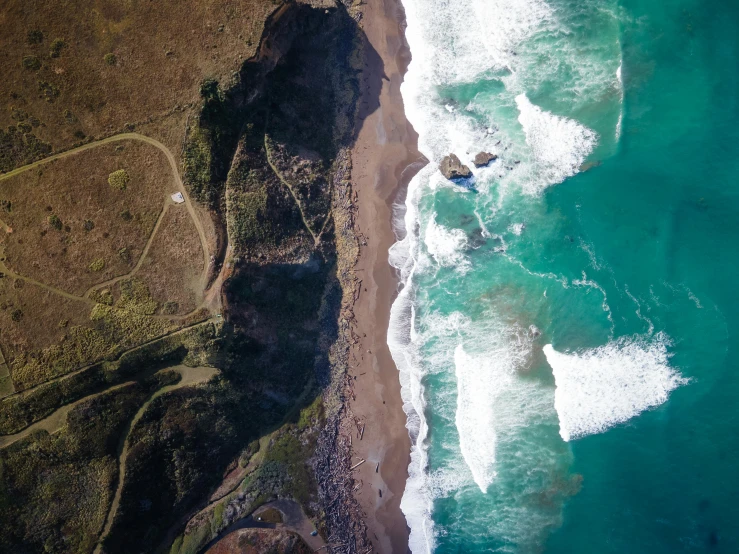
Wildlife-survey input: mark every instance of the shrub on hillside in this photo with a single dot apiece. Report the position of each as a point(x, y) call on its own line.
point(35, 37)
point(32, 63)
point(119, 179)
point(56, 47)
point(55, 222)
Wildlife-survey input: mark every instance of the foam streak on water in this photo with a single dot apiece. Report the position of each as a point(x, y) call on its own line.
point(558, 145)
point(608, 385)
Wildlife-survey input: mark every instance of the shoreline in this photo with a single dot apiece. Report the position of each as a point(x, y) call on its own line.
point(385, 157)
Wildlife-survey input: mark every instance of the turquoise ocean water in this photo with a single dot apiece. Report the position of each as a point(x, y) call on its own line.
point(566, 333)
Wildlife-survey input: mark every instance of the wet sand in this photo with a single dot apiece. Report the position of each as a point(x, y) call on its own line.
point(384, 159)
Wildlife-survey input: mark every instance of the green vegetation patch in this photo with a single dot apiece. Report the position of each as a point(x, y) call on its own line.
point(197, 164)
point(31, 63)
point(119, 179)
point(35, 37)
point(49, 91)
point(18, 148)
point(135, 297)
point(113, 329)
point(55, 222)
point(102, 296)
point(110, 58)
point(56, 47)
point(97, 265)
point(19, 411)
point(55, 490)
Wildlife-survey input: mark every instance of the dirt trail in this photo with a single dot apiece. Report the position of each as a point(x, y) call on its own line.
point(294, 520)
point(54, 422)
point(289, 188)
point(137, 347)
point(114, 280)
point(189, 376)
point(49, 288)
point(180, 187)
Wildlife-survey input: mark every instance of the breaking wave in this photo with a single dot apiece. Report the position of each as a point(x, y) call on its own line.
point(608, 385)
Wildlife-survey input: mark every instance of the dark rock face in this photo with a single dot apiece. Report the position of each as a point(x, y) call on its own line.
point(484, 158)
point(452, 168)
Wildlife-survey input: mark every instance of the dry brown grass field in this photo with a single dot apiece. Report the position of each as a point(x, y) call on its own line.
point(96, 258)
point(95, 222)
point(32, 318)
point(173, 267)
point(87, 68)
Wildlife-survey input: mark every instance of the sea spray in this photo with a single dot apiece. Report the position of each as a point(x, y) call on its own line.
point(559, 145)
point(602, 387)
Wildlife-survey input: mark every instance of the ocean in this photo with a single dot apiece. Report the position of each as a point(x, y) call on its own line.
point(566, 329)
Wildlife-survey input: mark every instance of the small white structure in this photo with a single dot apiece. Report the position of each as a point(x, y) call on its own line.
point(177, 198)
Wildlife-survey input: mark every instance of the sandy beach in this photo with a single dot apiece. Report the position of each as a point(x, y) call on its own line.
point(384, 159)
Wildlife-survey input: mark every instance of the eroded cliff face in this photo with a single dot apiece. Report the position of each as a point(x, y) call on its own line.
point(269, 153)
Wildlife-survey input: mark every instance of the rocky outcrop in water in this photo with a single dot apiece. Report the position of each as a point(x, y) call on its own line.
point(453, 169)
point(484, 158)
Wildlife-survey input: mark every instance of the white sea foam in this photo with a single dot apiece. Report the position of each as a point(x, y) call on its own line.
point(483, 227)
point(585, 282)
point(559, 145)
point(475, 417)
point(417, 501)
point(645, 319)
point(620, 80)
point(489, 394)
point(446, 245)
point(602, 387)
point(517, 228)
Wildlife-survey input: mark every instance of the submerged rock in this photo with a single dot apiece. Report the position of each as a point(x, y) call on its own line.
point(452, 168)
point(484, 158)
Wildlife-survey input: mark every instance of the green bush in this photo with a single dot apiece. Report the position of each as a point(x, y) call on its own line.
point(88, 225)
point(56, 47)
point(119, 179)
point(35, 37)
point(16, 315)
point(110, 58)
point(32, 63)
point(97, 265)
point(55, 222)
point(50, 91)
point(18, 115)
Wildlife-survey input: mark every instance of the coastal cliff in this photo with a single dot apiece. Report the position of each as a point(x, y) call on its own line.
point(265, 157)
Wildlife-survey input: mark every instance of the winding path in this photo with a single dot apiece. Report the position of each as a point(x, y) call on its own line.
point(316, 237)
point(88, 366)
point(167, 204)
point(189, 376)
point(52, 423)
point(180, 187)
point(295, 520)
